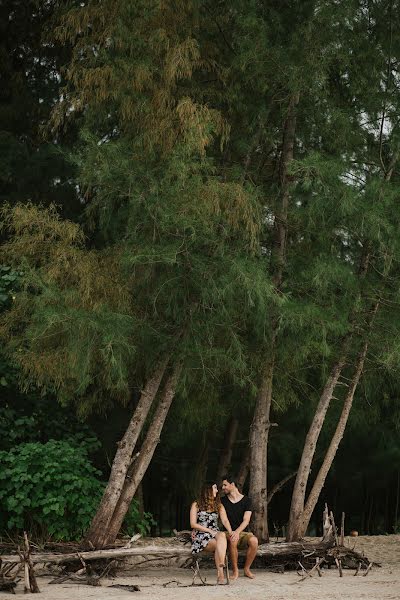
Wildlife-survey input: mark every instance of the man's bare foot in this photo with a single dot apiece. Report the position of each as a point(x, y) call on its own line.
point(249, 574)
point(234, 576)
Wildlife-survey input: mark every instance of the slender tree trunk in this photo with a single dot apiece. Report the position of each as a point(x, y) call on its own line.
point(281, 224)
point(259, 431)
point(299, 513)
point(141, 463)
point(123, 458)
point(258, 449)
point(300, 485)
point(278, 486)
point(226, 455)
point(139, 496)
point(243, 469)
point(331, 452)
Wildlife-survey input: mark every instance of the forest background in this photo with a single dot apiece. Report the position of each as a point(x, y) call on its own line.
point(199, 263)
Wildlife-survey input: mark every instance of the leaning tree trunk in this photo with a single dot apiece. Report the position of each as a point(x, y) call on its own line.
point(123, 458)
point(336, 438)
point(259, 431)
point(299, 490)
point(300, 486)
point(334, 445)
point(303, 473)
point(141, 463)
point(227, 450)
point(295, 527)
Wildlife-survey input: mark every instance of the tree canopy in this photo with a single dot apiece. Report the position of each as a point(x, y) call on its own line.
point(219, 185)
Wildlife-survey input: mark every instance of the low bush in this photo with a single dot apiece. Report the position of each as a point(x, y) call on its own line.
point(50, 489)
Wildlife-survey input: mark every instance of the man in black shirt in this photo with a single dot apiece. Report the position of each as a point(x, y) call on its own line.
point(238, 508)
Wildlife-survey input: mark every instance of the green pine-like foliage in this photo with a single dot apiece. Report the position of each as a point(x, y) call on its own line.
point(175, 114)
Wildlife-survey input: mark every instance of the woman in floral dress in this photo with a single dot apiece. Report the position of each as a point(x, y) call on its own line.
point(204, 514)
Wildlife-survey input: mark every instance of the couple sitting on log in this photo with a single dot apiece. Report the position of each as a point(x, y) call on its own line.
point(234, 510)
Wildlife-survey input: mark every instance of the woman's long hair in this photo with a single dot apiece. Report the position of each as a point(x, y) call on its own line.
point(206, 500)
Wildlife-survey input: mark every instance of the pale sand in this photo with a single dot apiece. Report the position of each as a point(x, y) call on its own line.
point(380, 583)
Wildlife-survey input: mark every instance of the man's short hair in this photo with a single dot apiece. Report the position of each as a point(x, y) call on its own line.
point(229, 478)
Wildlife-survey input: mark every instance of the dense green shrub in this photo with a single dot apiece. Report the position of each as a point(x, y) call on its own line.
point(135, 521)
point(51, 489)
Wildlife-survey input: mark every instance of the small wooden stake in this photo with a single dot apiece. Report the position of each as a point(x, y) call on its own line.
point(82, 561)
point(339, 566)
point(368, 569)
point(305, 570)
point(196, 573)
point(30, 579)
point(228, 581)
point(334, 528)
point(342, 530)
point(306, 573)
point(317, 566)
point(27, 588)
point(326, 526)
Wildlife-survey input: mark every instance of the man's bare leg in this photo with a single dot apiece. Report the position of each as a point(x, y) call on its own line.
point(233, 554)
point(250, 556)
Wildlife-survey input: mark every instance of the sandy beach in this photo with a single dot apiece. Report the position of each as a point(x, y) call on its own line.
point(167, 583)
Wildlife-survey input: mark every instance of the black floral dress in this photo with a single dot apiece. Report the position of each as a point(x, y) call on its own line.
point(209, 520)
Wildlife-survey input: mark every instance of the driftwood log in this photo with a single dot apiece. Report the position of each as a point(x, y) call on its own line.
point(306, 554)
point(88, 567)
point(277, 556)
point(171, 550)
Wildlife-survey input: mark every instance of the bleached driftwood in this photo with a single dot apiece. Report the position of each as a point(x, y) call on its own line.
point(171, 550)
point(277, 554)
